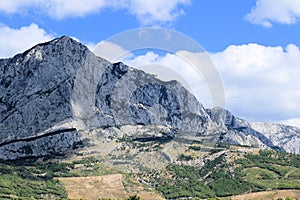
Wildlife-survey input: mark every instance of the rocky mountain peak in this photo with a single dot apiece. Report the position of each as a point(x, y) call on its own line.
point(36, 87)
point(46, 90)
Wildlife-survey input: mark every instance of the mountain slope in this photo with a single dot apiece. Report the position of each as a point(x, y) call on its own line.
point(35, 96)
point(257, 134)
point(58, 96)
point(287, 137)
point(46, 90)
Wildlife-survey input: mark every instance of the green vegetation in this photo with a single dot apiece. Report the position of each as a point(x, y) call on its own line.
point(267, 170)
point(133, 197)
point(230, 173)
point(185, 181)
point(211, 181)
point(271, 170)
point(28, 181)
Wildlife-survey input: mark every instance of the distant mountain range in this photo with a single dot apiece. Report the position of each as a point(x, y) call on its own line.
point(58, 96)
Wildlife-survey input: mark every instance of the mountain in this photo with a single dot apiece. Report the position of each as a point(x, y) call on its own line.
point(281, 135)
point(256, 134)
point(58, 96)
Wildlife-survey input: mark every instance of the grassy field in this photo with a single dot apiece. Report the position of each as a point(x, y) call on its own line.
point(96, 187)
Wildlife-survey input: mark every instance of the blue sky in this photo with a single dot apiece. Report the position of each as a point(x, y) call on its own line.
point(253, 43)
point(214, 24)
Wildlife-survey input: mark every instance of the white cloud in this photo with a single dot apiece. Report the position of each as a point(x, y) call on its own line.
point(13, 41)
point(109, 51)
point(261, 83)
point(15, 6)
point(155, 11)
point(148, 12)
point(267, 12)
point(56, 8)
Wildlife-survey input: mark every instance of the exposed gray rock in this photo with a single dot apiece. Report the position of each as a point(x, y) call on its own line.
point(286, 137)
point(57, 143)
point(35, 91)
point(226, 119)
point(129, 96)
point(259, 134)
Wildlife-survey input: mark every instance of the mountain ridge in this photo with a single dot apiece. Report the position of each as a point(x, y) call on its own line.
point(37, 96)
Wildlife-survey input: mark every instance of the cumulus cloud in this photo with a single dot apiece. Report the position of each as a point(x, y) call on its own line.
point(156, 11)
point(261, 83)
point(58, 9)
point(109, 51)
point(148, 12)
point(267, 12)
point(13, 41)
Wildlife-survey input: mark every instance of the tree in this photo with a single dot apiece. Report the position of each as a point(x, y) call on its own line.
point(134, 197)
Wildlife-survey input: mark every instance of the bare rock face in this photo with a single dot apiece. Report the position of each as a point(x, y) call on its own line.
point(129, 96)
point(286, 137)
point(56, 144)
point(54, 93)
point(35, 90)
point(259, 134)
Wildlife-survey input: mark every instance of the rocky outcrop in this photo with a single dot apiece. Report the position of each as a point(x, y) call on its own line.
point(56, 143)
point(258, 134)
point(128, 96)
point(35, 91)
point(286, 137)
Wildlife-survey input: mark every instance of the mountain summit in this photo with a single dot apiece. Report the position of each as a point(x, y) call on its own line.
point(58, 96)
